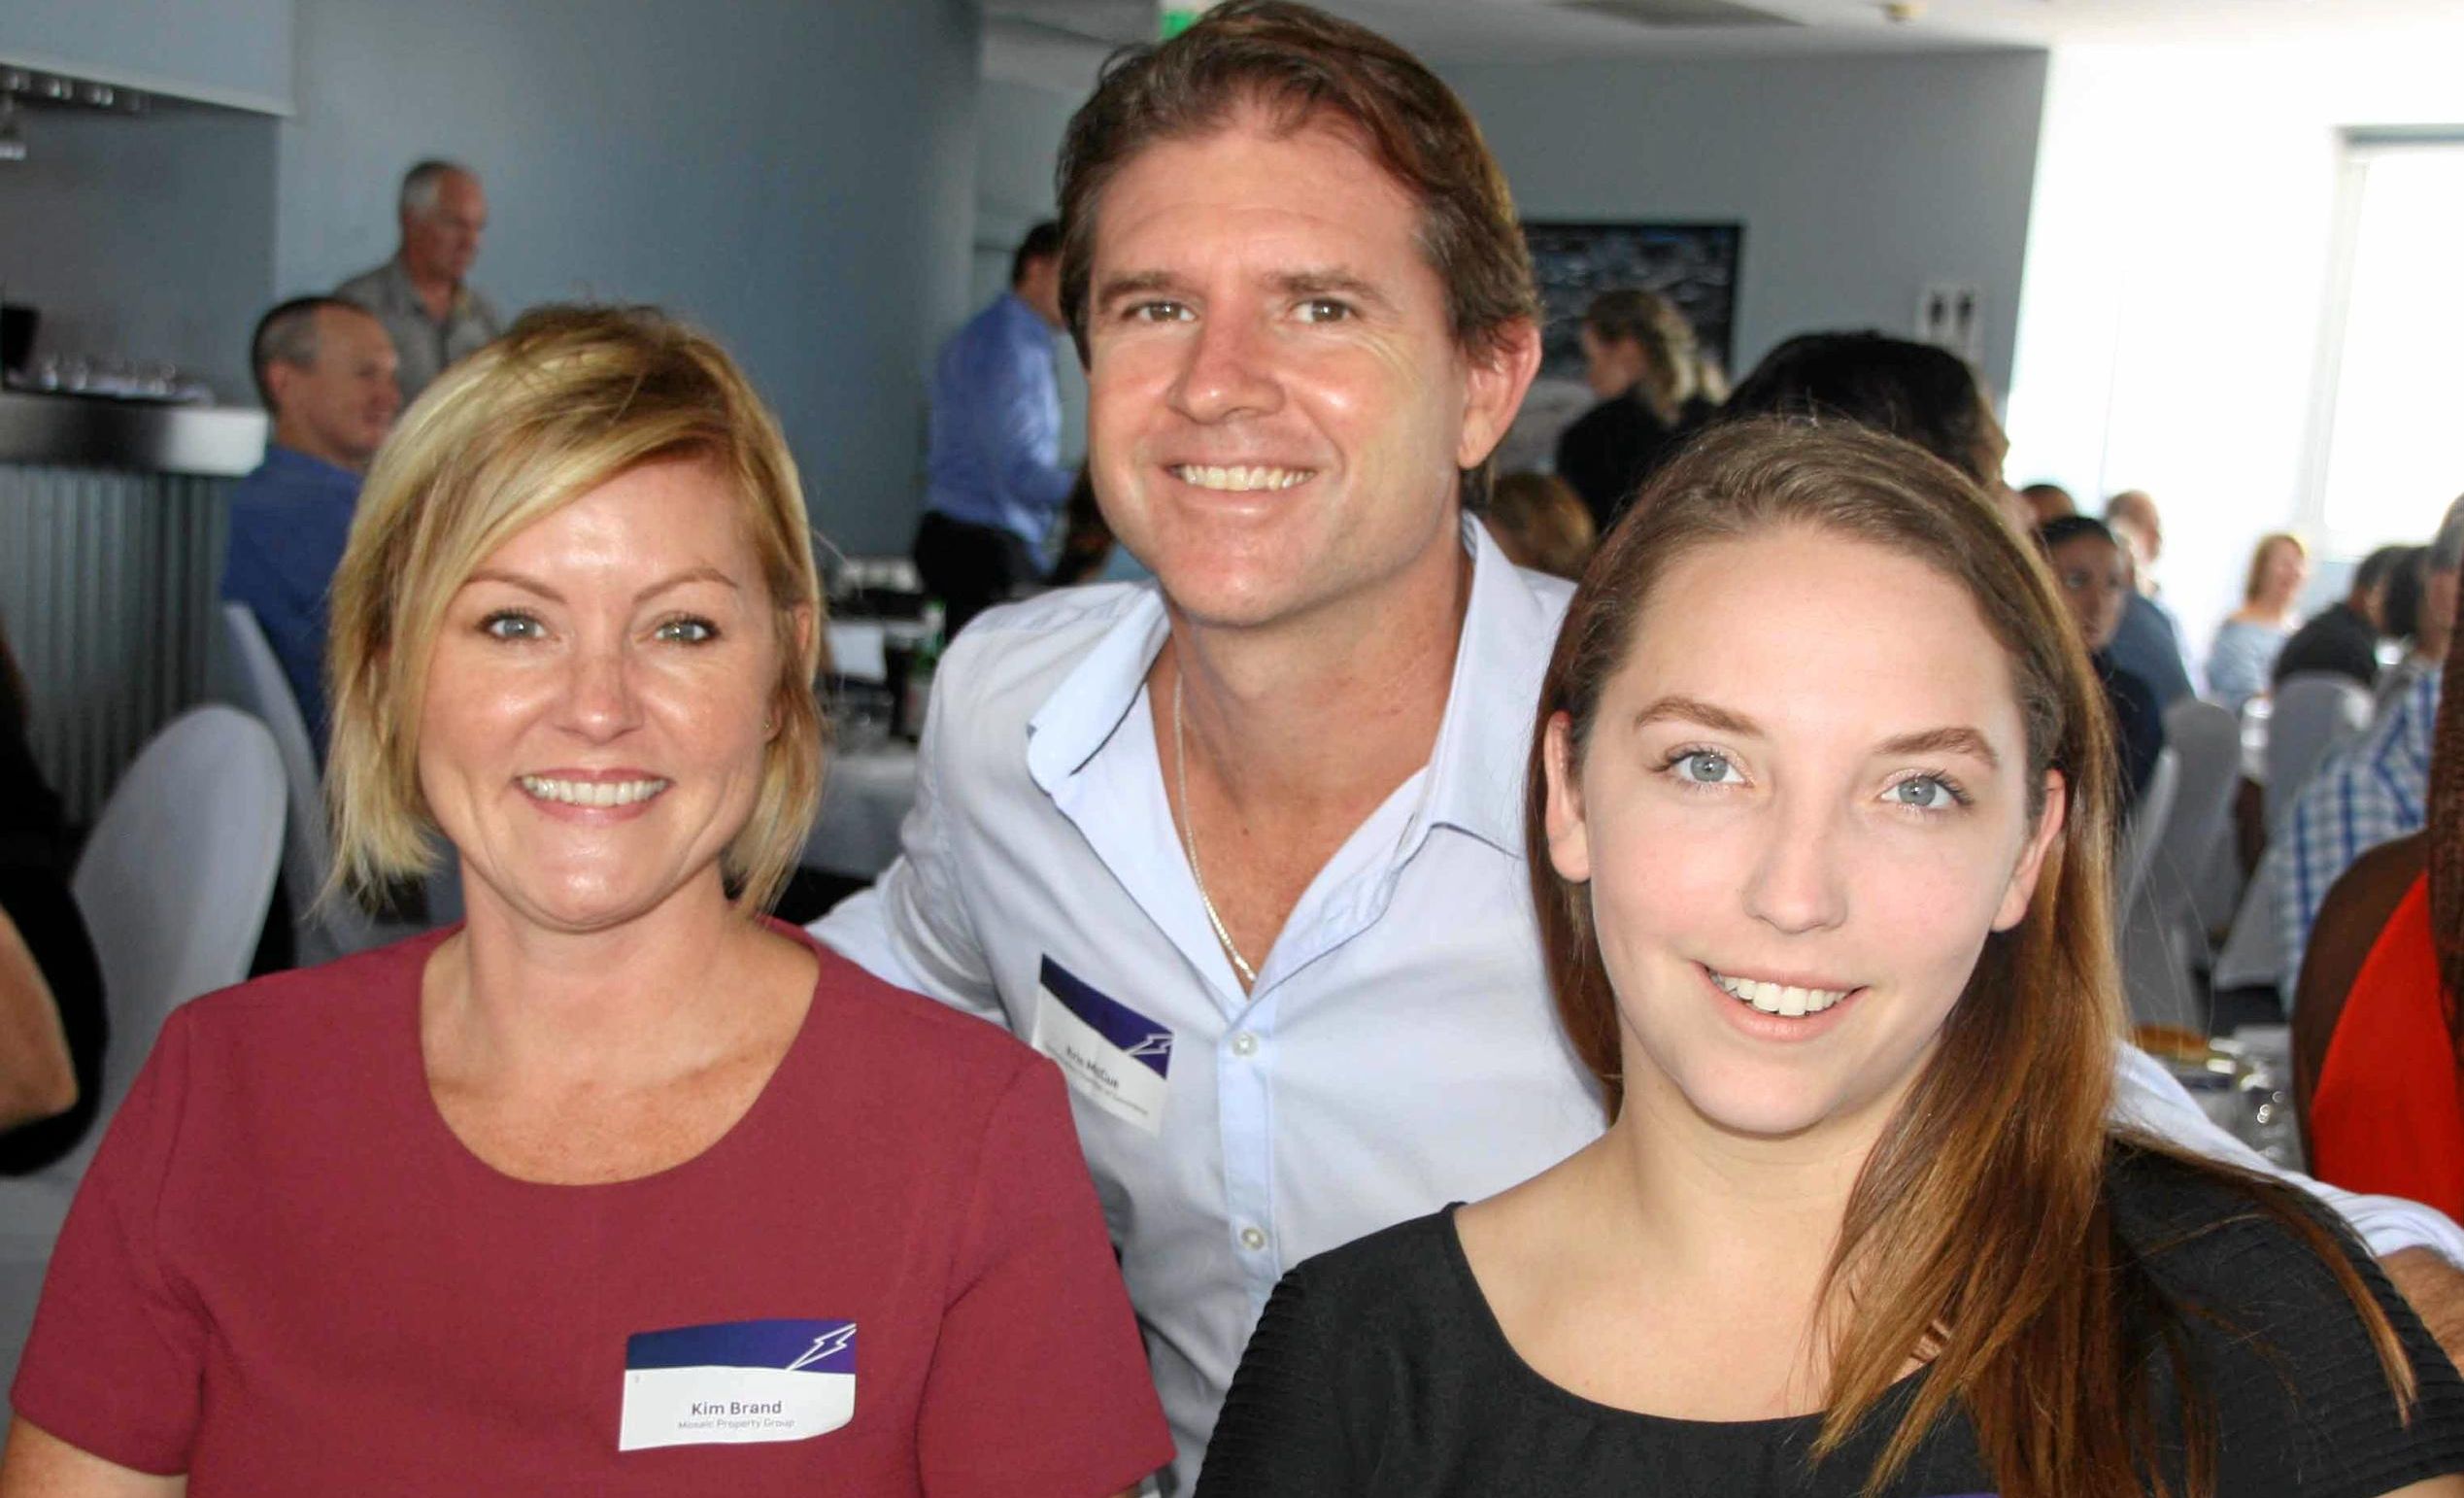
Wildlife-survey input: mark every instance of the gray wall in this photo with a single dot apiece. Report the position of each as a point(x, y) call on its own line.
point(1858, 179)
point(144, 238)
point(796, 178)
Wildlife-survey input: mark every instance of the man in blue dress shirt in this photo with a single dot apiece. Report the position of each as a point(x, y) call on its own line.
point(996, 482)
point(325, 369)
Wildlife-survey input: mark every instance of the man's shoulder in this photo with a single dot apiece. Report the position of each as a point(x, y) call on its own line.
point(369, 289)
point(1011, 658)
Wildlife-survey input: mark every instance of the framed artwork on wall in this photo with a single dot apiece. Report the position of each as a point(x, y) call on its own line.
point(1692, 264)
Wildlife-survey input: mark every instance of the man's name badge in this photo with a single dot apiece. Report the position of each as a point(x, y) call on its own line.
point(737, 1382)
point(1115, 1057)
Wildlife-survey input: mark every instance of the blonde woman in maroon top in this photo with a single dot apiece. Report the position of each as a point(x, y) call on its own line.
point(618, 1188)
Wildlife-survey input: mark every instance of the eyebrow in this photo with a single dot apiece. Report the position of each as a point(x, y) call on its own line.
point(1133, 283)
point(1679, 708)
point(1331, 283)
point(1297, 283)
point(700, 574)
point(1947, 739)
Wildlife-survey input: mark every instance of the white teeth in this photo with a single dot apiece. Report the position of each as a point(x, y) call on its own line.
point(1240, 480)
point(592, 793)
point(1779, 998)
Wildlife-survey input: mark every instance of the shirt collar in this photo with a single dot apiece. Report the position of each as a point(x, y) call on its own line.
point(1475, 782)
point(406, 297)
point(1475, 771)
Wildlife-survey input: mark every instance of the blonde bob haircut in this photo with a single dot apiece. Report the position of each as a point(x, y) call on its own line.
point(570, 400)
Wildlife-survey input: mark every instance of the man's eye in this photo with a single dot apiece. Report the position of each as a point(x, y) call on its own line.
point(1323, 309)
point(512, 625)
point(1159, 312)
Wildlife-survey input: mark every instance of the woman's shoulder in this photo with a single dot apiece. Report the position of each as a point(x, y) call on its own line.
point(1407, 1282)
point(2261, 1281)
point(905, 1032)
point(282, 1011)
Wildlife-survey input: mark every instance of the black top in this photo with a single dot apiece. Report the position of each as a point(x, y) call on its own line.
point(34, 870)
point(1378, 1370)
point(2139, 725)
point(1611, 448)
point(2337, 639)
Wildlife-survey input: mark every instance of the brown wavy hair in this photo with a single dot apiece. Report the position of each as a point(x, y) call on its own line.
point(1306, 68)
point(1978, 1238)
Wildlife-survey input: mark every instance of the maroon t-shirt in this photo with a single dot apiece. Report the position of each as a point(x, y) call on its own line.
point(284, 1273)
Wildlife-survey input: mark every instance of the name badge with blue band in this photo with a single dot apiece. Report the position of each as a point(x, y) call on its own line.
point(736, 1382)
point(1115, 1057)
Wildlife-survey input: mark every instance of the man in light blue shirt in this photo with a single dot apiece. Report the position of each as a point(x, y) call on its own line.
point(996, 482)
point(325, 370)
point(1240, 849)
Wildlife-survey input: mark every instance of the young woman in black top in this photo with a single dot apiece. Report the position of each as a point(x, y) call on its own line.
point(1821, 806)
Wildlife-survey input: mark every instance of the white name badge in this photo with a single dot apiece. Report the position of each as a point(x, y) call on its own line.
point(1115, 1058)
point(737, 1382)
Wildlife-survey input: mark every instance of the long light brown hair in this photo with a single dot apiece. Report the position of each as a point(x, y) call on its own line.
point(1979, 1237)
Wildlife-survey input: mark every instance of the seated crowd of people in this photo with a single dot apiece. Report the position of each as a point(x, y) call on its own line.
point(1582, 983)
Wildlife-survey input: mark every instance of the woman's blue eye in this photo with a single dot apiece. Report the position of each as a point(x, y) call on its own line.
point(509, 624)
point(1924, 793)
point(1705, 767)
point(689, 631)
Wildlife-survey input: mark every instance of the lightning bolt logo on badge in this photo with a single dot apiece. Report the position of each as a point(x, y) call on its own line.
point(823, 1345)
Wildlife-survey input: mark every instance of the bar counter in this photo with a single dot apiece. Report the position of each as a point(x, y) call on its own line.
point(111, 520)
point(82, 432)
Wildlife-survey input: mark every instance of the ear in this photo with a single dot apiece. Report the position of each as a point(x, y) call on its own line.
point(2023, 887)
point(1569, 839)
point(1495, 381)
point(280, 376)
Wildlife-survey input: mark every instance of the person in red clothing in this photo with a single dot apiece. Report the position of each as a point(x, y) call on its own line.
point(2377, 1039)
point(618, 1188)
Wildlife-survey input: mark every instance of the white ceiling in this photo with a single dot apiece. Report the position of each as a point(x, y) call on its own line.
point(1059, 42)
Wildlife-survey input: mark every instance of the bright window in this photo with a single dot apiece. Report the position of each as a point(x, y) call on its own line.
point(2386, 455)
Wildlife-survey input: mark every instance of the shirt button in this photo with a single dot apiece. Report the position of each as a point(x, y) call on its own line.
point(1252, 1238)
point(1244, 1044)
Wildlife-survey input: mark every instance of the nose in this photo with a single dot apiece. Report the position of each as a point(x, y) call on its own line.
point(1798, 884)
point(601, 701)
point(1227, 373)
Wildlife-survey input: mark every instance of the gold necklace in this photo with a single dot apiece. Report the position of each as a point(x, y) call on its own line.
point(1189, 839)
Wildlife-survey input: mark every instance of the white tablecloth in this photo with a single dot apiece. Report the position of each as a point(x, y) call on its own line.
point(865, 793)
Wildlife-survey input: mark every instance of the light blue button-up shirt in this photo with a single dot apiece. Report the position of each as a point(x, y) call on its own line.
point(992, 451)
point(1400, 1049)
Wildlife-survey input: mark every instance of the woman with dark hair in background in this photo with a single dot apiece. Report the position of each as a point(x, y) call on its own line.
point(1640, 358)
point(1820, 806)
point(52, 1027)
point(1913, 391)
